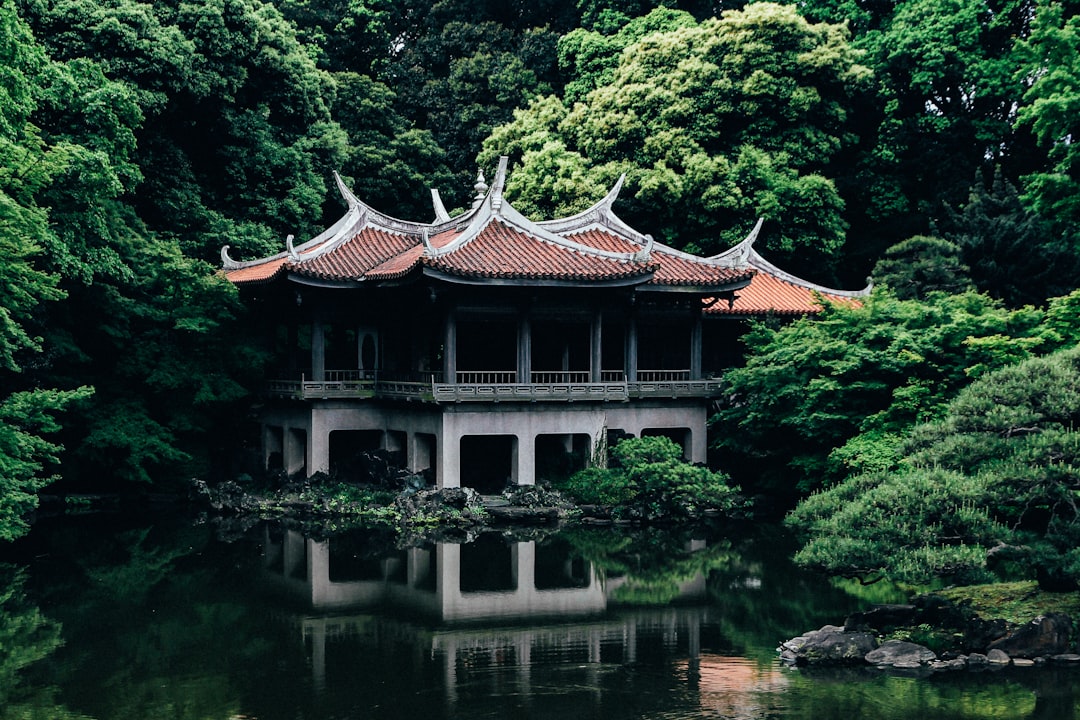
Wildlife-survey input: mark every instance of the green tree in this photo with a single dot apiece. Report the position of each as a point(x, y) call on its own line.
point(943, 106)
point(826, 396)
point(920, 265)
point(1013, 253)
point(1051, 68)
point(994, 479)
point(238, 143)
point(715, 124)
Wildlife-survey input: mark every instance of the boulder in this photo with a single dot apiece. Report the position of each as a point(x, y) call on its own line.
point(977, 660)
point(997, 657)
point(831, 645)
point(1045, 635)
point(900, 654)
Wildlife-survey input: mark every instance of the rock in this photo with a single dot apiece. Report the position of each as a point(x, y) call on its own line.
point(1066, 659)
point(1045, 635)
point(1023, 662)
point(979, 633)
point(997, 657)
point(955, 664)
point(977, 660)
point(900, 654)
point(830, 645)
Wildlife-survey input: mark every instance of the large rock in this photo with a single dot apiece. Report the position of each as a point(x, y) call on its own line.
point(1046, 635)
point(831, 645)
point(900, 654)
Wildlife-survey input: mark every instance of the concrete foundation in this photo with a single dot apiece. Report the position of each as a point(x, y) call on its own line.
point(430, 435)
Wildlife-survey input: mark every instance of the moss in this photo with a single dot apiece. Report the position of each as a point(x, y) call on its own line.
point(1014, 602)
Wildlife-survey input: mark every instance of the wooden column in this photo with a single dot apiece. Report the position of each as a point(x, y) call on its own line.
point(695, 348)
point(596, 345)
point(318, 349)
point(450, 348)
point(631, 346)
point(524, 354)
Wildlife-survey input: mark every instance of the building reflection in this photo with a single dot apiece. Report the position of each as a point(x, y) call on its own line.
point(490, 612)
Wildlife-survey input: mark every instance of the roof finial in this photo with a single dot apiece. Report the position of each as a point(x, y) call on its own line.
point(481, 189)
point(293, 255)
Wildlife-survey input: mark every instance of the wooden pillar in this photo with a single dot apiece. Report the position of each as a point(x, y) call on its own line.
point(450, 348)
point(695, 348)
point(318, 349)
point(524, 355)
point(631, 347)
point(596, 346)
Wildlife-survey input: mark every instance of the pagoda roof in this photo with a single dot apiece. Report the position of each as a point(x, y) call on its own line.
point(494, 244)
point(773, 291)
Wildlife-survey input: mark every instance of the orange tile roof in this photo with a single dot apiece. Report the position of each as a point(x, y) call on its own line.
point(768, 294)
point(352, 259)
point(500, 250)
point(264, 272)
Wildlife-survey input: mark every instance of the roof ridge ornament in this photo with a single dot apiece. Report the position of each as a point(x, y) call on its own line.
point(425, 237)
point(346, 193)
point(499, 184)
point(481, 189)
point(440, 210)
point(645, 253)
point(293, 255)
point(227, 262)
point(738, 255)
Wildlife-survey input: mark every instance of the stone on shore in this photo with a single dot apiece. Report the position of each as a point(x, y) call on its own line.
point(997, 658)
point(831, 645)
point(900, 654)
point(1046, 635)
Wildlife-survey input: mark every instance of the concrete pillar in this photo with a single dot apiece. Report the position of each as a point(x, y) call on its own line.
point(318, 443)
point(448, 466)
point(450, 349)
point(523, 564)
point(695, 348)
point(524, 460)
point(318, 350)
point(272, 443)
point(596, 346)
point(293, 452)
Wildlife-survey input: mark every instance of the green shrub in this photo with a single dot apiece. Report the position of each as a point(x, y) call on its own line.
point(649, 478)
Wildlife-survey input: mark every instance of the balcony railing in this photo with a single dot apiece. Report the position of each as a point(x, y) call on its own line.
point(495, 386)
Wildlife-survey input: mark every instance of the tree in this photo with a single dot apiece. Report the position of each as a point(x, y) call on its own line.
point(715, 124)
point(27, 413)
point(993, 480)
point(1013, 253)
point(921, 265)
point(943, 106)
point(238, 143)
point(1051, 68)
point(834, 394)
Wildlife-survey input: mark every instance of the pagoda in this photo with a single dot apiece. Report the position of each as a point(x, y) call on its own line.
point(487, 348)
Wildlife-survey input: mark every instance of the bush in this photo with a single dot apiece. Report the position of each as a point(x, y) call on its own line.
point(650, 479)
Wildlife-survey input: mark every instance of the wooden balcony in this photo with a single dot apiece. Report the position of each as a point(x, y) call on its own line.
point(496, 386)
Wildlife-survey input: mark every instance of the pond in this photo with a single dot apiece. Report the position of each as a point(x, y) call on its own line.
point(111, 617)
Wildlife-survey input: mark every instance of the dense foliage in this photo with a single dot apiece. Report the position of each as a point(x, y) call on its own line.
point(991, 485)
point(139, 136)
point(648, 478)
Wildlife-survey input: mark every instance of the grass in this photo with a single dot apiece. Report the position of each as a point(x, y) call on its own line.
point(1015, 602)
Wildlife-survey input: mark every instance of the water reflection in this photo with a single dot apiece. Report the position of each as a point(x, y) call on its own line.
point(173, 621)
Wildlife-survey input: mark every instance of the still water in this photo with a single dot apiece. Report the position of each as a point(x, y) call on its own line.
point(168, 617)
